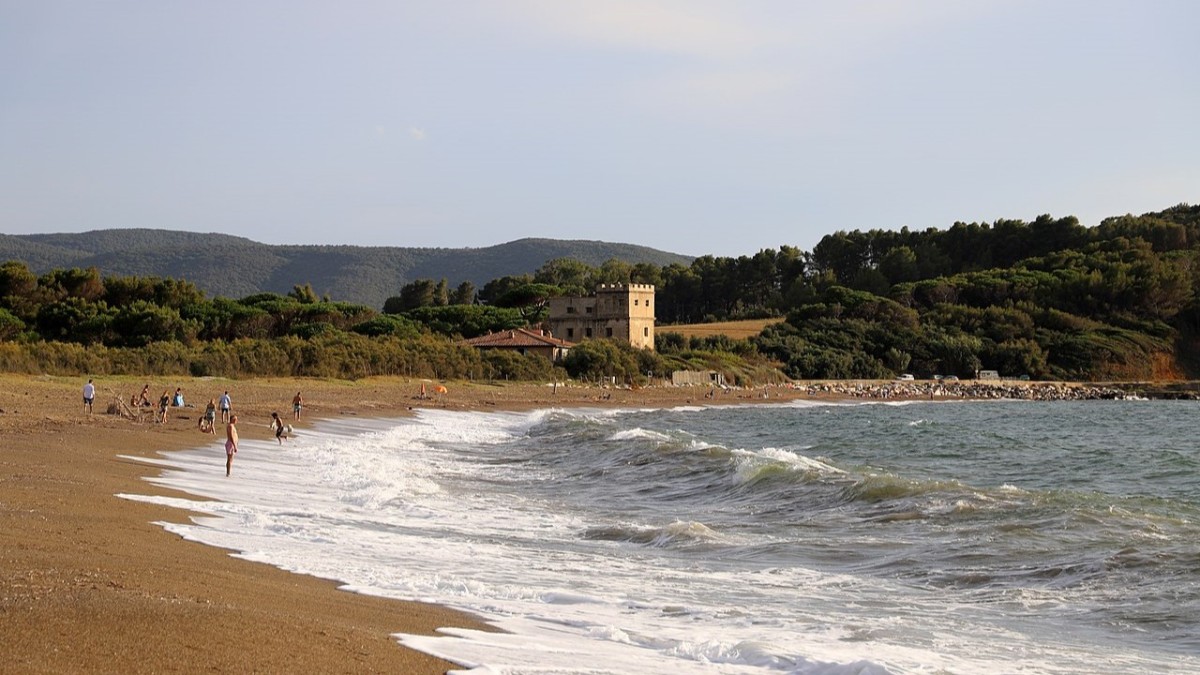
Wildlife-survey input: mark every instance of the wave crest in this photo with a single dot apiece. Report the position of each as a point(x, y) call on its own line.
point(755, 466)
point(677, 533)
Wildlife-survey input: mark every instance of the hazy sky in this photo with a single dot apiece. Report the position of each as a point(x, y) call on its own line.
point(695, 126)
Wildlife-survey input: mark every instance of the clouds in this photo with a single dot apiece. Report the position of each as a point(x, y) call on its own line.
point(702, 126)
point(694, 29)
point(781, 64)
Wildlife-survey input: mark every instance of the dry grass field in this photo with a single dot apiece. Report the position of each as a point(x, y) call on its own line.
point(733, 329)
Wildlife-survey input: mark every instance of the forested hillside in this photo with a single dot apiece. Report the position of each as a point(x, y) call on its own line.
point(1047, 299)
point(235, 267)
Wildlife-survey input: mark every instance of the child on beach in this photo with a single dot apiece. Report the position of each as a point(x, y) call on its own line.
point(163, 403)
point(297, 403)
point(278, 427)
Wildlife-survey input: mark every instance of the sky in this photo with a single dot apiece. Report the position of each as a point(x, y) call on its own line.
point(693, 126)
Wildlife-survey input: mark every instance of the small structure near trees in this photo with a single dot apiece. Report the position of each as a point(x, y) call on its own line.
point(524, 341)
point(684, 378)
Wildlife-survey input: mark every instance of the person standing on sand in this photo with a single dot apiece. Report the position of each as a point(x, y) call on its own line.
point(89, 395)
point(297, 403)
point(231, 443)
point(163, 403)
point(226, 405)
point(208, 423)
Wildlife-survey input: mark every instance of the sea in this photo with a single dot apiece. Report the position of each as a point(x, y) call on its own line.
point(830, 538)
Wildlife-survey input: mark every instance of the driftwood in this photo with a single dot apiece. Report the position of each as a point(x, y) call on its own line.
point(120, 407)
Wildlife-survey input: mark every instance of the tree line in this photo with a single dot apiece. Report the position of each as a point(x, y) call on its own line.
point(1047, 299)
point(77, 321)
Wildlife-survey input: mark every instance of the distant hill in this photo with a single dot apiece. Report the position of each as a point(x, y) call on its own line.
point(235, 267)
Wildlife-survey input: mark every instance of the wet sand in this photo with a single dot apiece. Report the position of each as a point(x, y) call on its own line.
point(89, 582)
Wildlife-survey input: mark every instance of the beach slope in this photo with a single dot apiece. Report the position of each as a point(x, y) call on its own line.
point(89, 582)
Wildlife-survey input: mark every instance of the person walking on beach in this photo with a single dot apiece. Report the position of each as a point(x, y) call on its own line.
point(226, 405)
point(278, 427)
point(163, 403)
point(231, 443)
point(297, 403)
point(89, 395)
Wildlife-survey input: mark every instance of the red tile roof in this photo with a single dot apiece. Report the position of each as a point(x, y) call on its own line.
point(518, 337)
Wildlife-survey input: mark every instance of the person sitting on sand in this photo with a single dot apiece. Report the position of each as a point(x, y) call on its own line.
point(177, 401)
point(144, 398)
point(231, 443)
point(278, 427)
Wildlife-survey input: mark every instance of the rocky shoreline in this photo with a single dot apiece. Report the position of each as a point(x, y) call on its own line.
point(935, 390)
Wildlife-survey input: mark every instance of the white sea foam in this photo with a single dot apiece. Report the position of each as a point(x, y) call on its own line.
point(416, 508)
point(753, 462)
point(638, 434)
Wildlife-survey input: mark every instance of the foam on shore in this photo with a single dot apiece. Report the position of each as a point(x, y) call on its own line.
point(357, 501)
point(450, 508)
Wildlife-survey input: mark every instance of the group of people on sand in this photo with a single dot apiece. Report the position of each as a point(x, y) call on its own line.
point(224, 406)
point(281, 429)
point(207, 423)
point(166, 401)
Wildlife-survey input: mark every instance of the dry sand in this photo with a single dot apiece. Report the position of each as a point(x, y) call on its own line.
point(89, 584)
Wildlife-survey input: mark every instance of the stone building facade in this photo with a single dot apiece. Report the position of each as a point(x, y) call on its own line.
point(622, 312)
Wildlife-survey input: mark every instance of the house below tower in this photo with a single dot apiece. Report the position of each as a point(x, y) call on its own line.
point(524, 342)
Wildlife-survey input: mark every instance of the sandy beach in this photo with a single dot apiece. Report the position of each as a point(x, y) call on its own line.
point(91, 584)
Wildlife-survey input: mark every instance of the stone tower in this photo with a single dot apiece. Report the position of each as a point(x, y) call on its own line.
point(622, 312)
